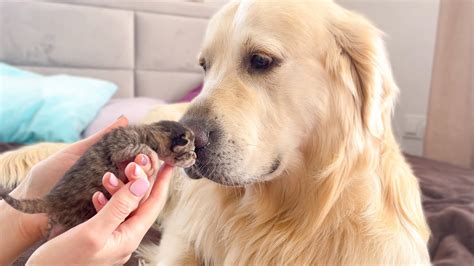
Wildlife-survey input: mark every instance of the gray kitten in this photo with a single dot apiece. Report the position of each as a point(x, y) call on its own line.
point(69, 203)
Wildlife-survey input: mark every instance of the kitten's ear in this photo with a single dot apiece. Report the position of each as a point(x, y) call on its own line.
point(360, 62)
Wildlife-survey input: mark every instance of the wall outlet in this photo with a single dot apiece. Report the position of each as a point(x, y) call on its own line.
point(414, 127)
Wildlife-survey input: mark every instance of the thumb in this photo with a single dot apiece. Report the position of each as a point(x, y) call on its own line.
point(120, 206)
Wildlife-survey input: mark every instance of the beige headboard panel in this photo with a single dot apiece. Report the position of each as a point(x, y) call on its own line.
point(148, 48)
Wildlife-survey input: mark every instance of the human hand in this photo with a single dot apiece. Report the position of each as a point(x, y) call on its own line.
point(20, 230)
point(132, 171)
point(45, 174)
point(112, 234)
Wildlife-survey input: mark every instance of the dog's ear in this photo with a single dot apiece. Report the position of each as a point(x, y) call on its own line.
point(361, 64)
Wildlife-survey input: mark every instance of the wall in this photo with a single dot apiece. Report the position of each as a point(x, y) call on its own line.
point(410, 27)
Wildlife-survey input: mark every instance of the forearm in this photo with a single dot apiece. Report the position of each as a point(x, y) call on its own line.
point(18, 230)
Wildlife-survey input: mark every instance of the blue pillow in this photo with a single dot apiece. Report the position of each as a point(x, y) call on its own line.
point(58, 108)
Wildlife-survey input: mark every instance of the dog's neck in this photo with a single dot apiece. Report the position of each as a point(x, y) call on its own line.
point(344, 182)
point(347, 186)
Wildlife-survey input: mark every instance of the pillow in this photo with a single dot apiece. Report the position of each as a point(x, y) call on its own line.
point(137, 110)
point(9, 71)
point(191, 94)
point(58, 108)
point(133, 108)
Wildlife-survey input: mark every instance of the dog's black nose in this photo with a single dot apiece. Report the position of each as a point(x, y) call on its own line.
point(207, 139)
point(201, 132)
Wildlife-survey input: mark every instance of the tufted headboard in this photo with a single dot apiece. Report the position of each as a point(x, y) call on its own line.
point(147, 47)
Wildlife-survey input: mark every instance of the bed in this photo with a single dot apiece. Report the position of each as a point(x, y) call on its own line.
point(448, 202)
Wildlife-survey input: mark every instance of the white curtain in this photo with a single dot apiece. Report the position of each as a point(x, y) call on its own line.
point(450, 126)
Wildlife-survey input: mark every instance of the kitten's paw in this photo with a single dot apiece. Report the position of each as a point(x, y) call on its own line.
point(183, 149)
point(180, 147)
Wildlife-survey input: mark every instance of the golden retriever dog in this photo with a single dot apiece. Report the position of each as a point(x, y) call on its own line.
point(297, 162)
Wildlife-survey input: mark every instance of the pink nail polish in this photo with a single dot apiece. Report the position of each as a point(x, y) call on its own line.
point(101, 198)
point(139, 187)
point(144, 160)
point(113, 181)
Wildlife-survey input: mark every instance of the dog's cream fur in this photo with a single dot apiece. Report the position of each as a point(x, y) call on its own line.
point(14, 165)
point(345, 195)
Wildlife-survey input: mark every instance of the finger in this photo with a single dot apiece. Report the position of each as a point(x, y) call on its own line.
point(155, 163)
point(133, 171)
point(99, 200)
point(162, 182)
point(144, 217)
point(111, 183)
point(84, 144)
point(154, 166)
point(126, 259)
point(145, 164)
point(119, 207)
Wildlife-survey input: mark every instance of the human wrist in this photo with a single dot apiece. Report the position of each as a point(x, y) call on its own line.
point(17, 233)
point(28, 227)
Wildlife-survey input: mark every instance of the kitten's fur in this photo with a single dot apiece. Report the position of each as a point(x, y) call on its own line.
point(69, 202)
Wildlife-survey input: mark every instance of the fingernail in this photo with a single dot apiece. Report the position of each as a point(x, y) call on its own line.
point(138, 172)
point(139, 187)
point(144, 160)
point(120, 117)
point(113, 181)
point(101, 198)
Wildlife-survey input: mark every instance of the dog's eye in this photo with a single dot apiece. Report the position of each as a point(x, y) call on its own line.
point(260, 61)
point(202, 63)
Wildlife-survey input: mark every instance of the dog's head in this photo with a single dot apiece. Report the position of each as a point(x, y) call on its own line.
point(282, 75)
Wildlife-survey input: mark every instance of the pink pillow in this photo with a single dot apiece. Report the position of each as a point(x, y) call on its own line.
point(192, 94)
point(134, 109)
